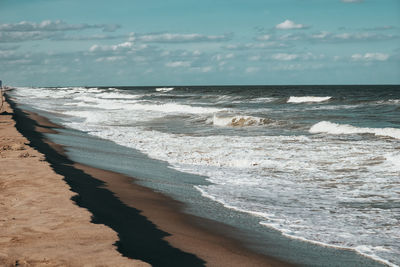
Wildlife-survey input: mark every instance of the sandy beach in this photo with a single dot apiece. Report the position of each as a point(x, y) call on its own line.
point(117, 222)
point(40, 224)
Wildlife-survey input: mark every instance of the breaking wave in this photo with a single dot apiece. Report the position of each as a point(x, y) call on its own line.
point(239, 121)
point(307, 99)
point(173, 108)
point(107, 95)
point(164, 89)
point(335, 128)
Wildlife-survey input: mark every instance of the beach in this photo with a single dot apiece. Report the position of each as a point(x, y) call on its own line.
point(225, 175)
point(58, 212)
point(40, 224)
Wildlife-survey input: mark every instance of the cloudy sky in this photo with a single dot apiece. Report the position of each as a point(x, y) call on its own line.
point(191, 42)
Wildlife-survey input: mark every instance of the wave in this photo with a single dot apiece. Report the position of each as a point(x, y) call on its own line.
point(164, 89)
point(366, 251)
point(335, 128)
point(173, 108)
point(308, 99)
point(262, 100)
point(240, 121)
point(389, 102)
point(394, 160)
point(110, 95)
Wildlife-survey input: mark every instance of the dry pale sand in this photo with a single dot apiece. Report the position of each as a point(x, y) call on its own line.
point(39, 223)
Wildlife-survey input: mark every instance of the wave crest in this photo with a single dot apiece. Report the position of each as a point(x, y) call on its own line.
point(164, 89)
point(172, 108)
point(335, 128)
point(240, 121)
point(308, 99)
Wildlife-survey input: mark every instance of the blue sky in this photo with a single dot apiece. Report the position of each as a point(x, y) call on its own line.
point(209, 42)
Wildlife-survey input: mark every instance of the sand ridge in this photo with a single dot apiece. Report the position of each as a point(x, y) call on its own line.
point(39, 223)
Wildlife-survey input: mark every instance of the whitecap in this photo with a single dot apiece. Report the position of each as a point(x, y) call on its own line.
point(263, 100)
point(335, 128)
point(394, 160)
point(307, 99)
point(239, 121)
point(173, 108)
point(164, 89)
point(113, 95)
point(388, 102)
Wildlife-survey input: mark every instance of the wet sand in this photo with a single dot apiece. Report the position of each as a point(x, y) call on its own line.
point(150, 226)
point(39, 224)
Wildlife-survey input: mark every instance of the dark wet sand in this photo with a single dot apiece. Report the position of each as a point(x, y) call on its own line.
point(39, 223)
point(151, 226)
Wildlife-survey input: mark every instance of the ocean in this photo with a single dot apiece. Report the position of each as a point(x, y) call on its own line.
point(316, 167)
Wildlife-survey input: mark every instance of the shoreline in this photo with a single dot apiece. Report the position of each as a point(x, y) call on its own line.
point(40, 224)
point(150, 225)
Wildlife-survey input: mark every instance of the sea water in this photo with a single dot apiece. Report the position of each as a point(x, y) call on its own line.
point(316, 163)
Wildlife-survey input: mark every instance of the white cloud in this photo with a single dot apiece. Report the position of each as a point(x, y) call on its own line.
point(264, 37)
point(177, 64)
point(370, 57)
point(285, 57)
point(52, 30)
point(178, 38)
point(58, 25)
point(88, 37)
point(94, 48)
point(380, 28)
point(321, 35)
point(349, 37)
point(289, 25)
point(197, 53)
point(222, 57)
point(118, 47)
point(291, 57)
point(8, 36)
point(110, 59)
point(292, 36)
point(123, 45)
point(296, 67)
point(250, 46)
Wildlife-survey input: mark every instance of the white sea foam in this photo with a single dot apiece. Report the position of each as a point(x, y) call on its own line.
point(390, 102)
point(306, 99)
point(262, 100)
point(164, 89)
point(173, 108)
point(313, 187)
point(117, 95)
point(254, 213)
point(363, 250)
point(239, 121)
point(394, 160)
point(335, 128)
point(86, 98)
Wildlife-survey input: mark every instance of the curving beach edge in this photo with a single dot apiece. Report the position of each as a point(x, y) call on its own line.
point(58, 212)
point(40, 224)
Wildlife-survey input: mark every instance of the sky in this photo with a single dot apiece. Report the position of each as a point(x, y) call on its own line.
point(191, 42)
